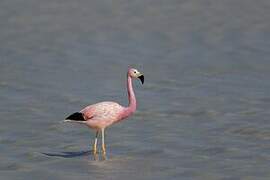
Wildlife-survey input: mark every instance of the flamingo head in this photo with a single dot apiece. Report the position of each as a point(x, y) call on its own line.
point(134, 73)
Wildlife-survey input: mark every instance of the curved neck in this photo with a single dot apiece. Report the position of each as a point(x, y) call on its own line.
point(131, 96)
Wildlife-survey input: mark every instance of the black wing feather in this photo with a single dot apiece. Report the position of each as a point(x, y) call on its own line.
point(77, 116)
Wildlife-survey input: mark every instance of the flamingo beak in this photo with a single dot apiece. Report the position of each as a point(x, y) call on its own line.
point(141, 77)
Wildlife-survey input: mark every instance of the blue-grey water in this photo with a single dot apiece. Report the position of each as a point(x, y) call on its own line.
point(203, 112)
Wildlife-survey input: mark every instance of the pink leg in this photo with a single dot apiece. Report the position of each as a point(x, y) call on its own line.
point(95, 144)
point(103, 141)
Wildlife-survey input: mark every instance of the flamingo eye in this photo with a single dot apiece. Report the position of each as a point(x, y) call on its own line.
point(135, 72)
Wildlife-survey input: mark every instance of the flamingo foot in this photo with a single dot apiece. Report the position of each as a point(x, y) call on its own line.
point(94, 150)
point(103, 149)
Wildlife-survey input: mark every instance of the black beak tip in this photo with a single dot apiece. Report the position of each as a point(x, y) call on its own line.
point(141, 78)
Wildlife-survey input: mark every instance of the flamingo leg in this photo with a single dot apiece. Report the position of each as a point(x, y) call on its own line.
point(95, 143)
point(103, 141)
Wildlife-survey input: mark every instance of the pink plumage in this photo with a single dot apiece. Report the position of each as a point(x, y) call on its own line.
point(103, 114)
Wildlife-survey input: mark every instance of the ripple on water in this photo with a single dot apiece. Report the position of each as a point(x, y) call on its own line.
point(11, 166)
point(178, 113)
point(7, 141)
point(251, 131)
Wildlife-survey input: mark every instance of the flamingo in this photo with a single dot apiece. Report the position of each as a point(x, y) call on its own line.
point(103, 114)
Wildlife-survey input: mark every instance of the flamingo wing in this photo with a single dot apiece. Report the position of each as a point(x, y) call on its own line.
point(102, 110)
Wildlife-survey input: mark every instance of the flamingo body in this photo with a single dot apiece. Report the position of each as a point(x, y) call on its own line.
point(103, 114)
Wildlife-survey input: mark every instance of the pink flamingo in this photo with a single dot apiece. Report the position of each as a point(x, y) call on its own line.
point(101, 115)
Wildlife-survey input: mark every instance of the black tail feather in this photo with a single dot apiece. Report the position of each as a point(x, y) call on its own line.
point(77, 116)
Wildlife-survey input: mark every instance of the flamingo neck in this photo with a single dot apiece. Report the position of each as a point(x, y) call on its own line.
point(131, 95)
point(131, 98)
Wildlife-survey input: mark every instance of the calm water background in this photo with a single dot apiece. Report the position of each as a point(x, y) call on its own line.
point(203, 111)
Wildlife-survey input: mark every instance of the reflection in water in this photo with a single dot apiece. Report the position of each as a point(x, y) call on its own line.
point(69, 154)
point(73, 154)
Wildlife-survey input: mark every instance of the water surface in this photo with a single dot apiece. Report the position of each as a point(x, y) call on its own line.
point(203, 112)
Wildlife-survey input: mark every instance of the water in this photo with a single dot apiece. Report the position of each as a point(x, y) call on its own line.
point(203, 111)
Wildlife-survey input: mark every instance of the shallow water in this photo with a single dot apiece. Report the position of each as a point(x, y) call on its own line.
point(203, 112)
